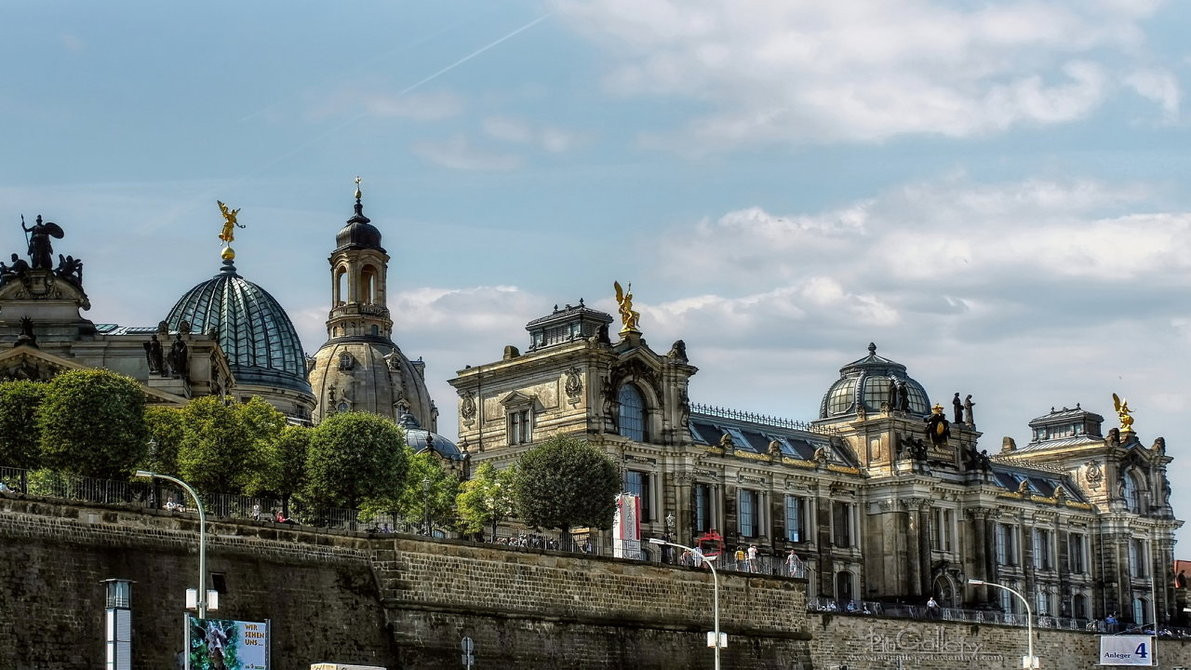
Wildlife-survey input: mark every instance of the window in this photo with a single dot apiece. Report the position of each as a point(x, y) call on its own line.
point(1008, 602)
point(1137, 558)
point(1139, 610)
point(1041, 537)
point(794, 524)
point(843, 585)
point(1132, 493)
point(1079, 606)
point(1076, 547)
point(748, 513)
point(840, 399)
point(942, 523)
point(520, 426)
point(637, 483)
point(632, 413)
point(702, 505)
point(841, 523)
point(876, 392)
point(1042, 603)
point(1006, 539)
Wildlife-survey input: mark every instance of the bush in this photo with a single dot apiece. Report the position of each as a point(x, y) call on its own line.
point(19, 435)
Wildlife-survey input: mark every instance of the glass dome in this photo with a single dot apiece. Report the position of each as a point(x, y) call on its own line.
point(866, 383)
point(419, 439)
point(255, 333)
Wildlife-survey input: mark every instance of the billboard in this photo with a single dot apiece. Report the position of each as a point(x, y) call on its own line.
point(1126, 650)
point(225, 644)
point(626, 527)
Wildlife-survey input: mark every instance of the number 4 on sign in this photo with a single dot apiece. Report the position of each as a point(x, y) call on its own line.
point(1141, 650)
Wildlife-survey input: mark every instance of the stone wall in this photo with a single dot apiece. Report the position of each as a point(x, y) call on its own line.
point(392, 601)
point(872, 643)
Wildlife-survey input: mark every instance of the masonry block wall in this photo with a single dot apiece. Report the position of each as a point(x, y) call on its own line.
point(871, 643)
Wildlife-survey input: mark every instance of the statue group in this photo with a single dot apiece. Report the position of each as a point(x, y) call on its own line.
point(40, 249)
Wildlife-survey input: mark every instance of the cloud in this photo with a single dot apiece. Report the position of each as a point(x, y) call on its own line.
point(782, 70)
point(458, 153)
point(1159, 86)
point(373, 100)
point(518, 131)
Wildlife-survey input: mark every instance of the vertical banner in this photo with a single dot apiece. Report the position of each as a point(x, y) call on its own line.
point(626, 527)
point(224, 644)
point(1126, 650)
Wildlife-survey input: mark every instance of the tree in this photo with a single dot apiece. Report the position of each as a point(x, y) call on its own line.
point(354, 457)
point(285, 464)
point(92, 423)
point(487, 499)
point(19, 434)
point(566, 482)
point(166, 428)
point(218, 453)
point(429, 491)
point(263, 425)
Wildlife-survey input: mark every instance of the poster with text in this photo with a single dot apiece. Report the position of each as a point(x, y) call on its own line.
point(224, 644)
point(1126, 650)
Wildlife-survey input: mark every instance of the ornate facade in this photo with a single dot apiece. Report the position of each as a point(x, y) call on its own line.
point(885, 496)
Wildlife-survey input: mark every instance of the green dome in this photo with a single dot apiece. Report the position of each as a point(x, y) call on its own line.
point(255, 333)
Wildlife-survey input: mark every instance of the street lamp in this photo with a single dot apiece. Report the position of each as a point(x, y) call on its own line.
point(1030, 661)
point(202, 583)
point(715, 582)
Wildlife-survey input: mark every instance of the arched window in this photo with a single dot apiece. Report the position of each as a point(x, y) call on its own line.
point(368, 285)
point(340, 285)
point(1132, 492)
point(632, 413)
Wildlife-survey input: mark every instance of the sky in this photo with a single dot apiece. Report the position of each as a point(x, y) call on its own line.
point(995, 193)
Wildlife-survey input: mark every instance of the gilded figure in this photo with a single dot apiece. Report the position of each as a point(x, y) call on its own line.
point(628, 316)
point(1123, 413)
point(228, 234)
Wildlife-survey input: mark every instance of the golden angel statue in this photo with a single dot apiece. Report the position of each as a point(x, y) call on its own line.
point(229, 222)
point(1123, 412)
point(628, 316)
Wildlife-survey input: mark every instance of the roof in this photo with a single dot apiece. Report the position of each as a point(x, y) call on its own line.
point(753, 433)
point(255, 333)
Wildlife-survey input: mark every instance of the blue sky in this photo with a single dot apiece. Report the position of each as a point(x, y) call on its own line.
point(994, 193)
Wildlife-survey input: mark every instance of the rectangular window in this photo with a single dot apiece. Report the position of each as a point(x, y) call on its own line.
point(1137, 558)
point(794, 525)
point(1006, 544)
point(702, 495)
point(637, 483)
point(520, 427)
point(942, 522)
point(748, 513)
point(1041, 538)
point(1076, 563)
point(1042, 603)
point(841, 523)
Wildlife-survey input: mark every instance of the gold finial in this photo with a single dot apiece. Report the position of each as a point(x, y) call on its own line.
point(628, 316)
point(1123, 413)
point(358, 193)
point(228, 234)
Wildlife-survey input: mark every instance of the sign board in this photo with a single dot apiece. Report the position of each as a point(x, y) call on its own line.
point(711, 639)
point(224, 643)
point(1126, 650)
point(626, 527)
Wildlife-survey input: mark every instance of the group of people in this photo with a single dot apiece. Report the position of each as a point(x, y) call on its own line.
point(276, 516)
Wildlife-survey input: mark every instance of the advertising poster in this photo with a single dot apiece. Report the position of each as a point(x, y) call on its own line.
point(224, 644)
point(626, 527)
point(1126, 650)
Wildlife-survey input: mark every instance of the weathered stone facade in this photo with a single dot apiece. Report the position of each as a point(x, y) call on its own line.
point(882, 496)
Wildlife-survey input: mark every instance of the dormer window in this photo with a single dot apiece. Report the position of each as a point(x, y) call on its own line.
point(632, 413)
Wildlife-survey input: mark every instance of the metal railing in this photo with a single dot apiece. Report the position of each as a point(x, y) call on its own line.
point(763, 419)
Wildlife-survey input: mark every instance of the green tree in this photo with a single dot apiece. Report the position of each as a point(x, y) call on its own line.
point(218, 453)
point(285, 464)
point(354, 457)
point(166, 428)
point(19, 434)
point(429, 491)
point(487, 499)
point(566, 482)
point(263, 425)
point(92, 423)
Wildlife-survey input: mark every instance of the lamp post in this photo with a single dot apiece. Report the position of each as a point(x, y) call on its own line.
point(715, 582)
point(1029, 661)
point(201, 605)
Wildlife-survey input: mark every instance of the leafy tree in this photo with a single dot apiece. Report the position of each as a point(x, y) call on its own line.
point(354, 457)
point(566, 482)
point(429, 491)
point(263, 424)
point(19, 434)
point(92, 423)
point(218, 453)
point(487, 499)
point(166, 427)
point(284, 472)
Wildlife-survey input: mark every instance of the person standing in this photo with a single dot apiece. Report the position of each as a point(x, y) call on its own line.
point(754, 565)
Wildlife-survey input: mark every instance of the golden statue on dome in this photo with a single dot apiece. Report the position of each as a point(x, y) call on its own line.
point(1123, 413)
point(628, 316)
point(228, 234)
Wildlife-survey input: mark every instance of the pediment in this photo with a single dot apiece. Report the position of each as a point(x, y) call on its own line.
point(518, 399)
